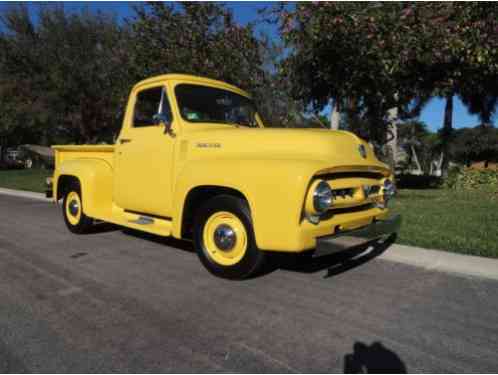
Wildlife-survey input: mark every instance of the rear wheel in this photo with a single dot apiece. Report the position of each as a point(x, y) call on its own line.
point(224, 238)
point(72, 210)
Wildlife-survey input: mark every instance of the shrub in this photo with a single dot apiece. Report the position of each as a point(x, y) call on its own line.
point(410, 181)
point(471, 179)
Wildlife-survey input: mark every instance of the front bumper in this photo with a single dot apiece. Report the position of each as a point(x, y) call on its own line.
point(356, 237)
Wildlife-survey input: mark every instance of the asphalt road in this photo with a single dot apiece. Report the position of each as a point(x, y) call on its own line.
point(118, 301)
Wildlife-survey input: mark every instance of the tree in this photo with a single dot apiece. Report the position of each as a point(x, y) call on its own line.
point(201, 39)
point(474, 144)
point(350, 52)
point(458, 56)
point(420, 146)
point(382, 56)
point(64, 76)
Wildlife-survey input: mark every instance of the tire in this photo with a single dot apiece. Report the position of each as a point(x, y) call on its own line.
point(74, 217)
point(224, 239)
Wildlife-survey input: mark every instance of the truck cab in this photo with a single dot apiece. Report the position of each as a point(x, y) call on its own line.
point(193, 160)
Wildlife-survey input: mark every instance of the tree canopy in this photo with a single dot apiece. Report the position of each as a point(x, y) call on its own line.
point(376, 56)
point(65, 76)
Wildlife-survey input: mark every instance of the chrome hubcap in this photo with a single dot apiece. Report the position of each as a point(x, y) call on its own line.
point(224, 237)
point(74, 208)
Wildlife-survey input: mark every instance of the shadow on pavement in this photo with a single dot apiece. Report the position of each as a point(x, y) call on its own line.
point(103, 227)
point(166, 241)
point(336, 263)
point(373, 359)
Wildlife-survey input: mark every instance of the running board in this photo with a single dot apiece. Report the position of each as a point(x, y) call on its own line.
point(142, 220)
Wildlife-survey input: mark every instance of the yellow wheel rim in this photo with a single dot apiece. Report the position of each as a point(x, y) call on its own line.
point(225, 238)
point(73, 208)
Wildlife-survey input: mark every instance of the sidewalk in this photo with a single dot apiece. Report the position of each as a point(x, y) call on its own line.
point(24, 194)
point(444, 261)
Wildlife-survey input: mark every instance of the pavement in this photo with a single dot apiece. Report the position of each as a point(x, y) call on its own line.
point(121, 301)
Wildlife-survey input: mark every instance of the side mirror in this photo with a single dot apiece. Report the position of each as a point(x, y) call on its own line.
point(162, 119)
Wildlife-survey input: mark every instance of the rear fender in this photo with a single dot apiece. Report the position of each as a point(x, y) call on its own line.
point(95, 178)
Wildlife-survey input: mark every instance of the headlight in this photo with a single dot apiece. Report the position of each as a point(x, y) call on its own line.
point(319, 198)
point(322, 197)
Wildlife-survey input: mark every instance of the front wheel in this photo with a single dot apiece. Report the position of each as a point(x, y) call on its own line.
point(72, 210)
point(224, 238)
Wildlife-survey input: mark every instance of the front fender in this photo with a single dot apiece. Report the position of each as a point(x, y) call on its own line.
point(274, 189)
point(95, 177)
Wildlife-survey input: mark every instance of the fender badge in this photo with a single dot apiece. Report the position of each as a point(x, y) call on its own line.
point(208, 145)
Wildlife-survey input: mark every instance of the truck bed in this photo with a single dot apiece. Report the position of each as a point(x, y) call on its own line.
point(64, 153)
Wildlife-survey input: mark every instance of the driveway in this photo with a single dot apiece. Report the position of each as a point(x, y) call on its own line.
point(122, 301)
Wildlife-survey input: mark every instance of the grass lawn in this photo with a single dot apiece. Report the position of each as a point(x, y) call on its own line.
point(25, 179)
point(458, 221)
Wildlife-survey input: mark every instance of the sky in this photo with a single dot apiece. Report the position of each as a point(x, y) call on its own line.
point(245, 12)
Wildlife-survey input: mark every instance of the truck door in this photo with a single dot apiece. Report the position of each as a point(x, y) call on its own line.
point(144, 156)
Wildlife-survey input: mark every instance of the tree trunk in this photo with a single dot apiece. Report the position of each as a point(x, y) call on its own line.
point(393, 142)
point(415, 159)
point(439, 165)
point(447, 130)
point(335, 115)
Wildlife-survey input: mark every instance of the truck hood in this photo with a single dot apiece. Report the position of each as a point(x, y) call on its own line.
point(333, 147)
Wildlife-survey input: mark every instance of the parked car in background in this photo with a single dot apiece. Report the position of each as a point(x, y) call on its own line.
point(12, 159)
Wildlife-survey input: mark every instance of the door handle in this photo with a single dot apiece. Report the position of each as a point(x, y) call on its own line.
point(124, 140)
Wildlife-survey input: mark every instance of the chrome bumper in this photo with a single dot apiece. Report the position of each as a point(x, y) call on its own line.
point(356, 237)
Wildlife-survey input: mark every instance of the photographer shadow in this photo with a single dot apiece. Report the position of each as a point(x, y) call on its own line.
point(373, 359)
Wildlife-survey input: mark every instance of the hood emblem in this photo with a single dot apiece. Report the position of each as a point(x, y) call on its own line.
point(363, 151)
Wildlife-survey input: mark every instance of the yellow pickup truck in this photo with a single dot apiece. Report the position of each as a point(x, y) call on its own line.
point(194, 160)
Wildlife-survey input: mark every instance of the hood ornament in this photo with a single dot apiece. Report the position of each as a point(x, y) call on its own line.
point(363, 151)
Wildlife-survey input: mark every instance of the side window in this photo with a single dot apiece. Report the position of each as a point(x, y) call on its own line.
point(149, 103)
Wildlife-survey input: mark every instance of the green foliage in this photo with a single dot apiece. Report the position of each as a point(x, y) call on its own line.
point(472, 179)
point(196, 38)
point(376, 56)
point(418, 143)
point(66, 76)
point(63, 76)
point(474, 144)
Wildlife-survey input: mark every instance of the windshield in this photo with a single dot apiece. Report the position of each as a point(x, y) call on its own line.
point(208, 104)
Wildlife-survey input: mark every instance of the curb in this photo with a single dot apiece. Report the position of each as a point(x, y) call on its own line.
point(443, 261)
point(24, 194)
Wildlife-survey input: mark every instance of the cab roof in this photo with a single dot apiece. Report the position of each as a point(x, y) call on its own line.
point(192, 79)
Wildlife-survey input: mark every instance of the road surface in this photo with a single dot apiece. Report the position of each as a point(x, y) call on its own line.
point(120, 301)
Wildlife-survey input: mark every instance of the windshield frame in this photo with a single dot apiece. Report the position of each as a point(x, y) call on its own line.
point(257, 119)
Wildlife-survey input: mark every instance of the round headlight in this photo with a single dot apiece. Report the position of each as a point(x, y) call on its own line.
point(322, 197)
